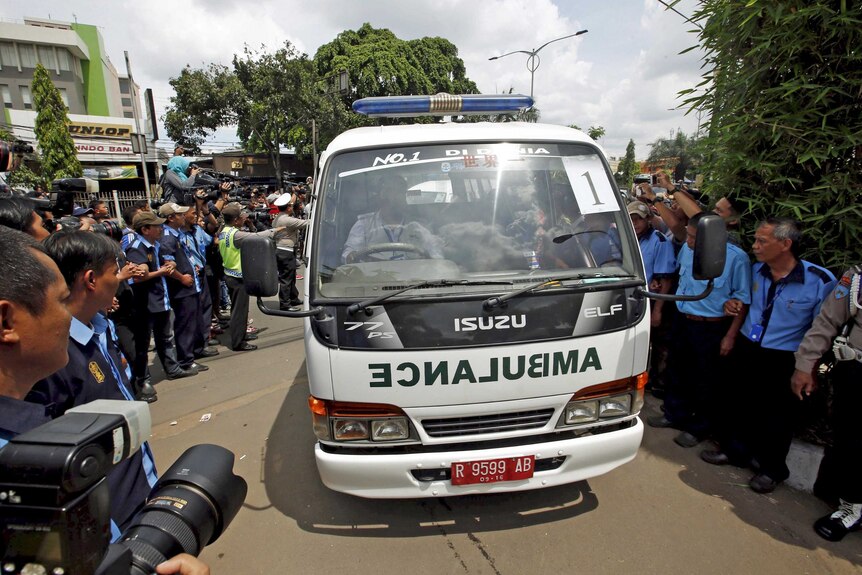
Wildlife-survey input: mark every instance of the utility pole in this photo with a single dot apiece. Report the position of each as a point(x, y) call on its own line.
point(136, 115)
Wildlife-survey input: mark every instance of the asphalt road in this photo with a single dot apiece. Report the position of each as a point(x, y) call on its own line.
point(666, 512)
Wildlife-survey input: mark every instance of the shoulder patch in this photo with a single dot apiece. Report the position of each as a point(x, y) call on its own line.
point(822, 274)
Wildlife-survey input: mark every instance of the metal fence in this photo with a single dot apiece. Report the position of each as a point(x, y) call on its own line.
point(117, 201)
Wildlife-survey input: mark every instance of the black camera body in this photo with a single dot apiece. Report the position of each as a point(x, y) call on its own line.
point(10, 152)
point(54, 501)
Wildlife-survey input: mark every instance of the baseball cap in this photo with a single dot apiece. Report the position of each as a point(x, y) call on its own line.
point(232, 209)
point(146, 219)
point(272, 197)
point(282, 200)
point(172, 208)
point(639, 208)
point(81, 211)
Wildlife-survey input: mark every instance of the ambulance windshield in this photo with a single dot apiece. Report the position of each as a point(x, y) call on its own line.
point(390, 217)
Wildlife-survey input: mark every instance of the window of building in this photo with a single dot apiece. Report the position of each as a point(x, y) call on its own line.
point(25, 96)
point(64, 95)
point(6, 95)
point(124, 86)
point(63, 59)
point(47, 57)
point(28, 55)
point(128, 115)
point(7, 55)
point(127, 102)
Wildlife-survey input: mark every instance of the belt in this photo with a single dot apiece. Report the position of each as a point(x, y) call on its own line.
point(691, 317)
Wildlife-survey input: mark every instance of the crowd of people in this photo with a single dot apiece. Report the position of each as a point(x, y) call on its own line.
point(79, 309)
point(735, 367)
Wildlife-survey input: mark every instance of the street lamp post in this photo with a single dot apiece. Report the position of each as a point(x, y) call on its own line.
point(533, 56)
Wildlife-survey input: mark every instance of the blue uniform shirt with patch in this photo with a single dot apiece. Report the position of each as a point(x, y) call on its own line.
point(795, 302)
point(658, 256)
point(733, 283)
point(154, 291)
point(95, 371)
point(174, 247)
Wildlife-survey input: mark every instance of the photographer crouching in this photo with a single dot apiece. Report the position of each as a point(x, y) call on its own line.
point(34, 342)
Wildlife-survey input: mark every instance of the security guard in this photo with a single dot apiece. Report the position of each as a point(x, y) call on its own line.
point(839, 326)
point(151, 298)
point(288, 295)
point(89, 264)
point(229, 241)
point(703, 336)
point(183, 285)
point(786, 296)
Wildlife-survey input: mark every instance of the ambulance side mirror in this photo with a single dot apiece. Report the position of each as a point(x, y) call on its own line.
point(710, 248)
point(259, 268)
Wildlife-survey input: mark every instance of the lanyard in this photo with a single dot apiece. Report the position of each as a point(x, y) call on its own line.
point(769, 302)
point(391, 235)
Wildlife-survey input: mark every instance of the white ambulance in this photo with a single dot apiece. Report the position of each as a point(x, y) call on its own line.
point(476, 315)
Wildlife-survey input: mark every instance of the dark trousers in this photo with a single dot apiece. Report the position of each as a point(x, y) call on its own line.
point(695, 374)
point(238, 310)
point(758, 410)
point(847, 450)
point(159, 325)
point(126, 343)
point(186, 327)
point(204, 315)
point(287, 292)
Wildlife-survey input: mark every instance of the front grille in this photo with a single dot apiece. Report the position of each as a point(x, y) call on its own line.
point(496, 423)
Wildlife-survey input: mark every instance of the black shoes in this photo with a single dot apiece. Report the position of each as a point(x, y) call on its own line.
point(250, 337)
point(197, 367)
point(296, 302)
point(762, 483)
point(245, 347)
point(147, 393)
point(180, 373)
point(714, 457)
point(835, 526)
point(659, 421)
point(212, 341)
point(207, 352)
point(686, 439)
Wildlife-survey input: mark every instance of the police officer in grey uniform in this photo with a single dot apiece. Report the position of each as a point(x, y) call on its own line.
point(839, 326)
point(288, 295)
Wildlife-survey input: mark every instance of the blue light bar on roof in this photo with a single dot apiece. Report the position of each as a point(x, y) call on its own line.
point(441, 105)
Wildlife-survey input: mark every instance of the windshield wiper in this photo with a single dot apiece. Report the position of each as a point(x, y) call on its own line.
point(496, 301)
point(355, 308)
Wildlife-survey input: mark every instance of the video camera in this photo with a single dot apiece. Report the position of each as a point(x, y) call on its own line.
point(54, 502)
point(11, 152)
point(61, 203)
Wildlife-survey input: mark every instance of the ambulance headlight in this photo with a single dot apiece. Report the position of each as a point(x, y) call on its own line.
point(390, 429)
point(582, 412)
point(350, 429)
point(616, 406)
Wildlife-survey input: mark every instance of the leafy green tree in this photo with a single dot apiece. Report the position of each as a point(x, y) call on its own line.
point(628, 167)
point(594, 132)
point(56, 147)
point(781, 84)
point(205, 100)
point(378, 63)
point(681, 154)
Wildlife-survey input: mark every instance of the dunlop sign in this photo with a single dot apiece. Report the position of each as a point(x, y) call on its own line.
point(82, 129)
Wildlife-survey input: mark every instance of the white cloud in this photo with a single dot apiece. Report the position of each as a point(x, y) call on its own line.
point(621, 75)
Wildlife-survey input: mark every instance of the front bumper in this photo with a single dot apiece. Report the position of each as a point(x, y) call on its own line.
point(391, 476)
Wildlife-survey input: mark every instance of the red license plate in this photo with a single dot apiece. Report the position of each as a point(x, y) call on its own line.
point(493, 470)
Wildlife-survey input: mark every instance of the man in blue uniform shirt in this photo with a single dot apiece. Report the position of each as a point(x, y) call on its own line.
point(702, 337)
point(152, 302)
point(35, 329)
point(90, 264)
point(761, 410)
point(657, 254)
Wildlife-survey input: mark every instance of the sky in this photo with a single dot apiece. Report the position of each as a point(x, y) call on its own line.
point(622, 75)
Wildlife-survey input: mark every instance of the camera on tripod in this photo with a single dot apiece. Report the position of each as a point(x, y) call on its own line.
point(54, 502)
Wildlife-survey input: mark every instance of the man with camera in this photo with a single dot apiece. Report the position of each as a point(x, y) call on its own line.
point(229, 241)
point(20, 214)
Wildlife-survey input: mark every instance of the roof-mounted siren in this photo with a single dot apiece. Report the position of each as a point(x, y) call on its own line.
point(442, 105)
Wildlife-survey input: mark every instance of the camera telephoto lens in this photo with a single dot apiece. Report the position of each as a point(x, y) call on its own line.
point(189, 507)
point(108, 228)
